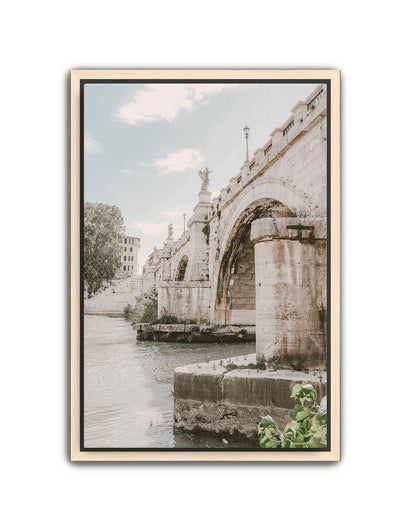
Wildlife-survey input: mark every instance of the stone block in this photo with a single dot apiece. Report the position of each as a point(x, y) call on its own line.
point(208, 398)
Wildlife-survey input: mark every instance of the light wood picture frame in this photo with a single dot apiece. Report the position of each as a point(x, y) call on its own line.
point(297, 231)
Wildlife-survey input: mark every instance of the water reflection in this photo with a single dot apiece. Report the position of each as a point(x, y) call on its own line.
point(128, 386)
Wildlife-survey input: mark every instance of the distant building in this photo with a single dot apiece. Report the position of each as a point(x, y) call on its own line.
point(130, 255)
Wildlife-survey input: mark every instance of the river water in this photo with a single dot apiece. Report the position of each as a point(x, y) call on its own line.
point(128, 387)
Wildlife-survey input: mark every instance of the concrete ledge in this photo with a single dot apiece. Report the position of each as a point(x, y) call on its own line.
point(212, 399)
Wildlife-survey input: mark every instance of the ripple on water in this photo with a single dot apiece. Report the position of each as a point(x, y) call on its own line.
point(128, 386)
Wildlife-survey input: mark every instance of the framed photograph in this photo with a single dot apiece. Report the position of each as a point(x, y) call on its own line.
point(205, 265)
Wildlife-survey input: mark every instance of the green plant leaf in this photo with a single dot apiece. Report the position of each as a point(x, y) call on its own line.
point(297, 443)
point(291, 426)
point(267, 421)
point(320, 419)
point(303, 414)
point(271, 442)
point(296, 409)
point(316, 442)
point(296, 390)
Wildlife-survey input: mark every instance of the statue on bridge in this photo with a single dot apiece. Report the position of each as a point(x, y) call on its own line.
point(204, 176)
point(170, 230)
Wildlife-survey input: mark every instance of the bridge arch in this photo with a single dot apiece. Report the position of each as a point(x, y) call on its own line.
point(235, 291)
point(264, 188)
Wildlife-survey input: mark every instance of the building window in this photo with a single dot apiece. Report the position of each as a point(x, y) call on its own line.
point(124, 267)
point(125, 240)
point(125, 258)
point(131, 250)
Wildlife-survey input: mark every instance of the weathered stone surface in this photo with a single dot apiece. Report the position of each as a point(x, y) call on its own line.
point(189, 327)
point(288, 228)
point(193, 333)
point(209, 398)
point(185, 300)
point(291, 307)
point(225, 419)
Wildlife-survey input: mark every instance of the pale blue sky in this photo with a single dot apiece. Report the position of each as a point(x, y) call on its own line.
point(145, 143)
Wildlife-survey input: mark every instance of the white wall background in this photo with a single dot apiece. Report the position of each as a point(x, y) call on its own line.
point(373, 43)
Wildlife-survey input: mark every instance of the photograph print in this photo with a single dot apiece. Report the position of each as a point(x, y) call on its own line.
point(205, 265)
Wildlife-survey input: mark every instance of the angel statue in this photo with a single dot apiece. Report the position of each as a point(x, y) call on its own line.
point(204, 175)
point(170, 230)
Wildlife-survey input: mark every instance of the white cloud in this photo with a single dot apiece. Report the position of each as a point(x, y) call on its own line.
point(179, 161)
point(166, 101)
point(91, 145)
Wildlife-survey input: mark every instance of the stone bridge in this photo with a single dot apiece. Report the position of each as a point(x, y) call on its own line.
point(256, 254)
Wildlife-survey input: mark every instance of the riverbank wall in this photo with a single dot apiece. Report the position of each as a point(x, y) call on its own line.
point(229, 397)
point(193, 333)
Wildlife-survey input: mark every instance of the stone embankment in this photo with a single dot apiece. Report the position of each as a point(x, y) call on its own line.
point(228, 397)
point(112, 299)
point(193, 333)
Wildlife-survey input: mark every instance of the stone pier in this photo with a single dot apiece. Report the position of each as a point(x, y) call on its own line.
point(291, 306)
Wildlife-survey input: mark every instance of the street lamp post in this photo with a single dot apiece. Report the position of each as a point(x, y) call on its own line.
point(246, 130)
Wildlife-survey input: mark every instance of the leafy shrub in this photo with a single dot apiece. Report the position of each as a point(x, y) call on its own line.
point(256, 366)
point(166, 318)
point(127, 312)
point(150, 312)
point(136, 315)
point(307, 430)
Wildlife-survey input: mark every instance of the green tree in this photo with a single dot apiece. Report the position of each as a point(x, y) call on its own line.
point(103, 233)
